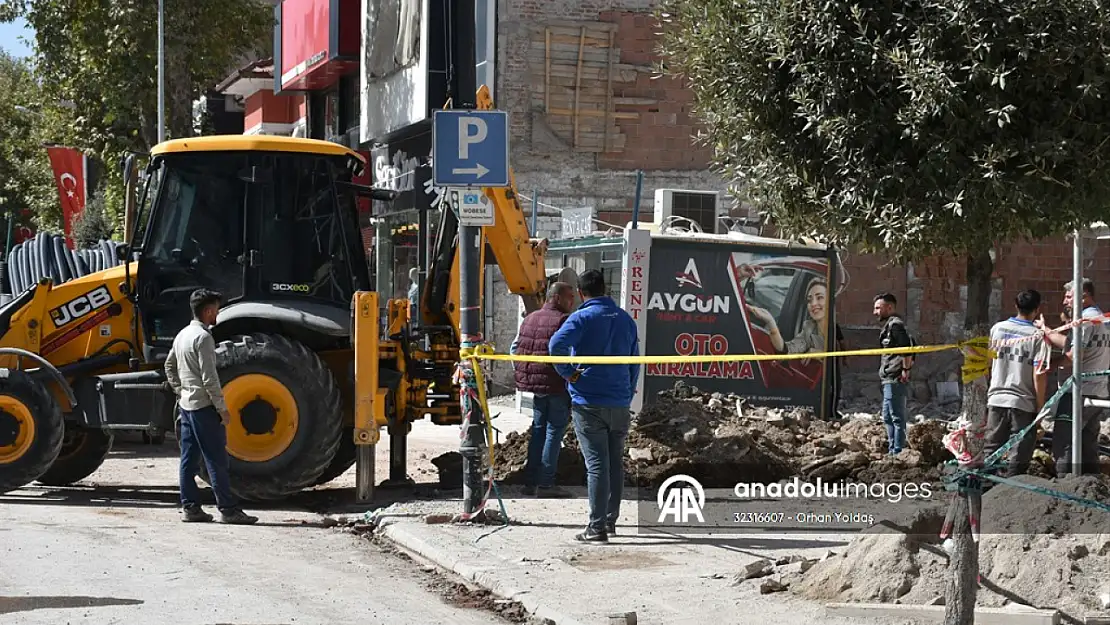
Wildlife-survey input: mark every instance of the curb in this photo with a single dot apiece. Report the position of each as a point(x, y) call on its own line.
point(480, 573)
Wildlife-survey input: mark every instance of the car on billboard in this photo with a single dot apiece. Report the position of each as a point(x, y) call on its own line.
point(787, 294)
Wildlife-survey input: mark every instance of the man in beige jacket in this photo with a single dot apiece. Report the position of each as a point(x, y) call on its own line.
point(191, 372)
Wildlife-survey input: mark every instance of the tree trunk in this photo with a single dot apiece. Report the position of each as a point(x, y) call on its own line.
point(961, 586)
point(963, 564)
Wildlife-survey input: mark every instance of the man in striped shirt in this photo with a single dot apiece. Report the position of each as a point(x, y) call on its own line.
point(1017, 389)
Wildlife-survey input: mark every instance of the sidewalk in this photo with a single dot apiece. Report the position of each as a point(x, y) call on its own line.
point(665, 580)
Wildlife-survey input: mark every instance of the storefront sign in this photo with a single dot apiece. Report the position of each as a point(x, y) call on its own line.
point(405, 167)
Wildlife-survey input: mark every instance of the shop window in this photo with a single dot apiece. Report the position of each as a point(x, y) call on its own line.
point(317, 115)
point(349, 102)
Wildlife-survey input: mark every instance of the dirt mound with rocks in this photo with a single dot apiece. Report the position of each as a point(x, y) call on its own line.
point(719, 440)
point(1034, 550)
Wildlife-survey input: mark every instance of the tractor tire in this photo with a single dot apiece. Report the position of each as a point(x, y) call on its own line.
point(344, 458)
point(83, 451)
point(286, 415)
point(31, 429)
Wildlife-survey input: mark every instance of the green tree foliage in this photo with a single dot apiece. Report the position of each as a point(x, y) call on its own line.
point(94, 223)
point(26, 181)
point(907, 128)
point(101, 56)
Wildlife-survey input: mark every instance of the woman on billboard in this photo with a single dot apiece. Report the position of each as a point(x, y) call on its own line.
point(811, 337)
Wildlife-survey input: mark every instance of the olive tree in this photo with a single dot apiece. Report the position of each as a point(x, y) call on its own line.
point(906, 128)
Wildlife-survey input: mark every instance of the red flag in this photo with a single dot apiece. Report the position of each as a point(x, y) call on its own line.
point(70, 175)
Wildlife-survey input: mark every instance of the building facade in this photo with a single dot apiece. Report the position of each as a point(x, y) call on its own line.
point(587, 112)
point(576, 77)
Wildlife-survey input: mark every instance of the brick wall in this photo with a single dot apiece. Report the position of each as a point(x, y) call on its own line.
point(932, 295)
point(652, 114)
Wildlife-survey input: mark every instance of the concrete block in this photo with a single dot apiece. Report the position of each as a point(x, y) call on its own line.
point(935, 613)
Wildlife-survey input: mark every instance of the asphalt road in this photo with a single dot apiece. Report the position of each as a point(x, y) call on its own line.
point(115, 552)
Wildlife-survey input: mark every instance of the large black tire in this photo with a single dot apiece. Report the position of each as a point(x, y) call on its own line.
point(46, 441)
point(83, 451)
point(319, 407)
point(344, 458)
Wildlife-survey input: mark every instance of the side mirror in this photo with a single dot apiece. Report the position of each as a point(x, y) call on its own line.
point(123, 253)
point(374, 193)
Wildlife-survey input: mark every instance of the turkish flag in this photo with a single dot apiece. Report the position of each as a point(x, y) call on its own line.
point(70, 174)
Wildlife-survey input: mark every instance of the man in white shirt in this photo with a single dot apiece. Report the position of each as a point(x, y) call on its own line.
point(1095, 356)
point(191, 372)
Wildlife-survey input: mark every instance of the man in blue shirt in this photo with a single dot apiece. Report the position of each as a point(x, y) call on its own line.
point(601, 396)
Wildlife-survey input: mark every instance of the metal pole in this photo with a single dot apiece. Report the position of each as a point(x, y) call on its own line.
point(535, 209)
point(1076, 355)
point(422, 266)
point(473, 446)
point(11, 228)
point(161, 71)
point(636, 205)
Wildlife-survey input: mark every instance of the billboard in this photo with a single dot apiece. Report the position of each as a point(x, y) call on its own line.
point(707, 298)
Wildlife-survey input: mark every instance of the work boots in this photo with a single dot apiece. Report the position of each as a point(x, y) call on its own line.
point(194, 514)
point(237, 517)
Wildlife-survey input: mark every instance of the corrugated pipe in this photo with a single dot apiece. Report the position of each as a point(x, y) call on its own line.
point(46, 256)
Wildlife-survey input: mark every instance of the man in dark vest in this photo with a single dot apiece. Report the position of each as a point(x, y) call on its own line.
point(550, 399)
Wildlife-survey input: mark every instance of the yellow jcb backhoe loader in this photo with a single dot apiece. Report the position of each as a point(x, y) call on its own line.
point(308, 371)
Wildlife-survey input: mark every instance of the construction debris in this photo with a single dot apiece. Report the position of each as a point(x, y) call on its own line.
point(1034, 550)
point(720, 439)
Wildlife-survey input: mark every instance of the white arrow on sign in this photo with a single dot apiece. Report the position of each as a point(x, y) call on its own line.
point(477, 171)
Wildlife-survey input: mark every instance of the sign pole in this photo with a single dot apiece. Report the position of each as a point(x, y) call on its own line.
point(473, 446)
point(161, 71)
point(1077, 355)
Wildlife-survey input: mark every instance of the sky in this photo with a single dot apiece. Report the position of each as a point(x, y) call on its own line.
point(9, 38)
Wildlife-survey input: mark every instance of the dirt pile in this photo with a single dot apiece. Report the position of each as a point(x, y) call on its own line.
point(719, 440)
point(1034, 550)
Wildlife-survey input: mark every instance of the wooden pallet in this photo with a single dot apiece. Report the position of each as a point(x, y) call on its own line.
point(576, 76)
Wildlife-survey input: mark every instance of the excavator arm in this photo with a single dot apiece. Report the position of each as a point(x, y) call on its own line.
point(519, 256)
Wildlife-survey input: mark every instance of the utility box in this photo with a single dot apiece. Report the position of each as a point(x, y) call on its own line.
point(704, 294)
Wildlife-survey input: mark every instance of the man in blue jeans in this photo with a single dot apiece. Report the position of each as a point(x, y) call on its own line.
point(600, 396)
point(550, 400)
point(191, 372)
point(894, 371)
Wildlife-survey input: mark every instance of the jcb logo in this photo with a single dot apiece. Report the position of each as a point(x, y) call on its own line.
point(296, 288)
point(80, 306)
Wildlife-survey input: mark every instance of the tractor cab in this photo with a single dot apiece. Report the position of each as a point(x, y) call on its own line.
point(269, 222)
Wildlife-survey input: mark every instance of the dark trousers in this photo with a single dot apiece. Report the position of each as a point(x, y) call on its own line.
point(601, 434)
point(1090, 421)
point(1002, 423)
point(203, 437)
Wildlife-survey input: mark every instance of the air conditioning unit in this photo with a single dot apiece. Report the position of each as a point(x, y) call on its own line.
point(701, 207)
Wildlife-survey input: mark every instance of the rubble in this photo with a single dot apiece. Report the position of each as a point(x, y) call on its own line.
point(721, 439)
point(1033, 549)
point(759, 568)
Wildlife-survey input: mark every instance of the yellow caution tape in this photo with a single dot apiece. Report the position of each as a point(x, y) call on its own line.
point(485, 352)
point(976, 351)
